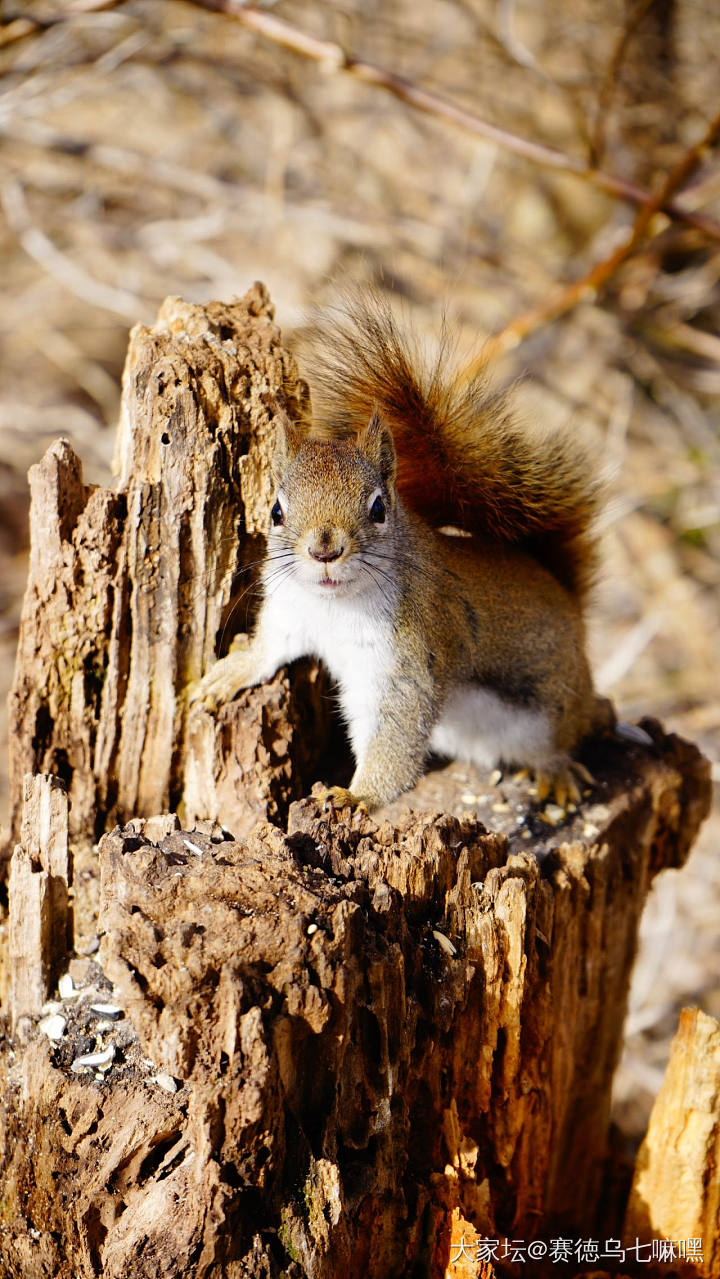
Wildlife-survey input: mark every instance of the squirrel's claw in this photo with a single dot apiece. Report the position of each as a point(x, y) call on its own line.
point(208, 698)
point(582, 772)
point(633, 733)
point(339, 797)
point(199, 696)
point(543, 786)
point(228, 677)
point(565, 789)
point(562, 785)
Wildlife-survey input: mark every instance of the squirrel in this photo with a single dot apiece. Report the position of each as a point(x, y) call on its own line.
point(436, 555)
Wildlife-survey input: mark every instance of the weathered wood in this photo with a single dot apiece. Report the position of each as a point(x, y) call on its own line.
point(40, 933)
point(128, 591)
point(465, 1260)
point(67, 612)
point(676, 1188)
point(378, 1031)
point(248, 761)
point(343, 1037)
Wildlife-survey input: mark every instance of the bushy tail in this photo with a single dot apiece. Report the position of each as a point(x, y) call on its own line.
point(463, 459)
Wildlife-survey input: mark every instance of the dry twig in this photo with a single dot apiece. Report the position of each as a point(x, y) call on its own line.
point(334, 57)
point(590, 284)
point(57, 264)
point(22, 27)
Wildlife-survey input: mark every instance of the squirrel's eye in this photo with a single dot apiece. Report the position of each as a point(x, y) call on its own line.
point(377, 511)
point(276, 514)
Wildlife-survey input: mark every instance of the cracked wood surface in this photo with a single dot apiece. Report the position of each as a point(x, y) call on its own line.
point(342, 1036)
point(129, 591)
point(374, 1029)
point(676, 1187)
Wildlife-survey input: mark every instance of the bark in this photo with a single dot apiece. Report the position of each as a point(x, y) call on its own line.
point(319, 1045)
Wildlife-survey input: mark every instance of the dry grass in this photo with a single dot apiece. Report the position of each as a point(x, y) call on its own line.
point(156, 148)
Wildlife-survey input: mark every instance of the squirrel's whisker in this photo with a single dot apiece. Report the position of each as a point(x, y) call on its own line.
point(472, 646)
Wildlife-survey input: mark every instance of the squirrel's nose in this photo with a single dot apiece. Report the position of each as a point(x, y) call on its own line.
point(326, 557)
point(325, 544)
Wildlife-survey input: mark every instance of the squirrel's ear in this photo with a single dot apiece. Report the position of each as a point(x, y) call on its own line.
point(288, 439)
point(376, 443)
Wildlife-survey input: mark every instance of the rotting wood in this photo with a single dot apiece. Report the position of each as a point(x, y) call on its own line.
point(245, 762)
point(377, 1030)
point(128, 590)
point(342, 1035)
point(466, 1260)
point(40, 932)
point(675, 1193)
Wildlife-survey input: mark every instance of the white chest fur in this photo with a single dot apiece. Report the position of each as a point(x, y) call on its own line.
point(352, 635)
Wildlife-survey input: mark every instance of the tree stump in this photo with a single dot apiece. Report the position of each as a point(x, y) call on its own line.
point(317, 1045)
point(128, 591)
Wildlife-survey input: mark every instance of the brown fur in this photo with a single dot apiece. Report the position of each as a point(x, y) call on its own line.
point(408, 619)
point(463, 459)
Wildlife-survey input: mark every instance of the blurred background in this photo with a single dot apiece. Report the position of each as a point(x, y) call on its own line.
point(160, 147)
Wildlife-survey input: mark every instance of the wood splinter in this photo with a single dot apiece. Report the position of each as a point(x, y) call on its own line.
point(40, 914)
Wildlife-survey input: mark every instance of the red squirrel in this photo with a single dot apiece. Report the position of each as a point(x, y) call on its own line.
point(436, 555)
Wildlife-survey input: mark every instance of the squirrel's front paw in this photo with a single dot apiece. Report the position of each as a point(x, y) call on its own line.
point(339, 797)
point(224, 680)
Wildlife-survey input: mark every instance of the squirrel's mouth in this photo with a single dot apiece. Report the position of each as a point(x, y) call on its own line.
point(330, 585)
point(321, 579)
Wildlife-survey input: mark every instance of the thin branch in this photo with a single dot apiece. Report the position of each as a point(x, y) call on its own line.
point(332, 56)
point(589, 285)
point(67, 273)
point(21, 27)
point(17, 29)
point(612, 76)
